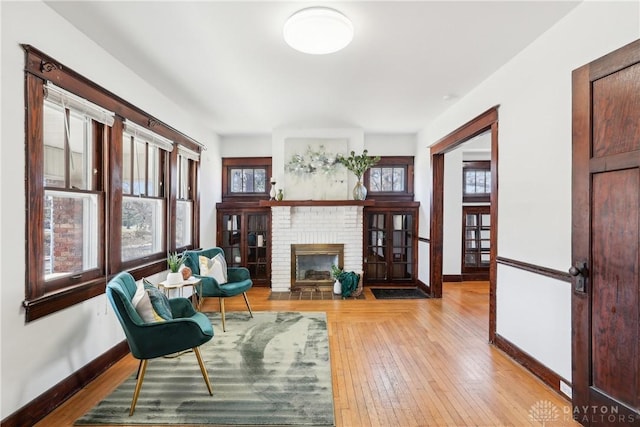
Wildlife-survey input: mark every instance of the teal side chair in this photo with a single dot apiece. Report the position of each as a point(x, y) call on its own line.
point(238, 280)
point(188, 329)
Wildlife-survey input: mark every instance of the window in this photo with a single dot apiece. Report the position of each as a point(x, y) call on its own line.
point(99, 188)
point(73, 131)
point(187, 162)
point(144, 202)
point(391, 179)
point(246, 178)
point(476, 181)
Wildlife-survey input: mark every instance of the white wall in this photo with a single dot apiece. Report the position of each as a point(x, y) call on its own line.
point(452, 213)
point(534, 218)
point(478, 148)
point(40, 354)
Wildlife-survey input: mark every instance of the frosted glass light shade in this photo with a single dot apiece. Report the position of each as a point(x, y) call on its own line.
point(318, 30)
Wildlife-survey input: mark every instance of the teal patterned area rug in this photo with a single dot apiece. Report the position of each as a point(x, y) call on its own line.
point(272, 370)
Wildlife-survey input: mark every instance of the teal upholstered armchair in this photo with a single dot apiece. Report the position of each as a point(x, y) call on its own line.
point(187, 330)
point(238, 280)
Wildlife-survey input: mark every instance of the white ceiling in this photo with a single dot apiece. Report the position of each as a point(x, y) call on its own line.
point(226, 62)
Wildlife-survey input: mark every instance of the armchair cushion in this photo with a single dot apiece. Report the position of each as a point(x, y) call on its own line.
point(215, 267)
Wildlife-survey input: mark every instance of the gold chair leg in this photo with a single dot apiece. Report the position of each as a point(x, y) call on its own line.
point(246, 300)
point(224, 326)
point(200, 298)
point(196, 350)
point(141, 370)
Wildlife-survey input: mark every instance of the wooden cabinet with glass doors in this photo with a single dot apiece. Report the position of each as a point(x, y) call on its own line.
point(390, 244)
point(245, 236)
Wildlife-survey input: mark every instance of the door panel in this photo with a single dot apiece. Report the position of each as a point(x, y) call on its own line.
point(606, 240)
point(615, 285)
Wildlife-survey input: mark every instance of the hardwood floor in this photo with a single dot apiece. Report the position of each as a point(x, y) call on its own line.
point(398, 363)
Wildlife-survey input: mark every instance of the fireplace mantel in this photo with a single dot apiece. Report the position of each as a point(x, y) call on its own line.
point(319, 203)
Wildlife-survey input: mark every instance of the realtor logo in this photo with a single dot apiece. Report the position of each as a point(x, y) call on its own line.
point(544, 411)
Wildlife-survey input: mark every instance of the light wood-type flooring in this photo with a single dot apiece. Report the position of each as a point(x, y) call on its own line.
point(397, 363)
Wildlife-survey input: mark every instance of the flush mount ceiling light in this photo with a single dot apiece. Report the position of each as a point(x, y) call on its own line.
point(318, 30)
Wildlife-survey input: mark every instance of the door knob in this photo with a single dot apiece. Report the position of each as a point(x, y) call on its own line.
point(580, 272)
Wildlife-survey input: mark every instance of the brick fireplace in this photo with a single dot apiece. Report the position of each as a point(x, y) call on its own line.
point(308, 223)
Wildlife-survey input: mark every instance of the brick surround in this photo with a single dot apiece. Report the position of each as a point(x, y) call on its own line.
point(313, 224)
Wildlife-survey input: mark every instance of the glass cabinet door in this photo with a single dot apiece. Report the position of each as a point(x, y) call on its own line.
point(376, 256)
point(402, 247)
point(476, 238)
point(257, 245)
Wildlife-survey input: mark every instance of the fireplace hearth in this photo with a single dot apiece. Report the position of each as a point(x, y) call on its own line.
point(311, 265)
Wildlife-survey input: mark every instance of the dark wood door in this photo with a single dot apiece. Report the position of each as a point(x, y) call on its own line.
point(606, 240)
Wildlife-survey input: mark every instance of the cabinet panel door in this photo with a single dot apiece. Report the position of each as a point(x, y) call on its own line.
point(231, 242)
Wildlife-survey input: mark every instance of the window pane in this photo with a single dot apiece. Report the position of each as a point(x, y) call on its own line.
point(153, 186)
point(387, 179)
point(236, 180)
point(183, 223)
point(487, 182)
point(375, 179)
point(127, 188)
point(260, 180)
point(78, 160)
point(142, 227)
point(139, 182)
point(479, 182)
point(183, 177)
point(53, 145)
point(247, 180)
point(70, 233)
point(398, 179)
point(471, 219)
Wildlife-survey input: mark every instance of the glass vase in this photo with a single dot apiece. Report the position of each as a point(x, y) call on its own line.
point(359, 191)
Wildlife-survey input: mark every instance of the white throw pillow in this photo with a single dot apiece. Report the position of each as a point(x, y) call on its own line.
point(215, 267)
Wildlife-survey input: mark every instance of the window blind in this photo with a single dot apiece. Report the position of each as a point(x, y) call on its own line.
point(148, 136)
point(188, 154)
point(59, 96)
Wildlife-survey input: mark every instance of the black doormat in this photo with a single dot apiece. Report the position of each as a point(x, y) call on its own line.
point(398, 293)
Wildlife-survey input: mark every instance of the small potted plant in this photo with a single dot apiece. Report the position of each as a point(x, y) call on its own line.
point(174, 261)
point(358, 165)
point(335, 273)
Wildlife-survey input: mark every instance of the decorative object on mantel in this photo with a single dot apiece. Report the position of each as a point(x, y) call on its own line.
point(174, 261)
point(358, 165)
point(312, 162)
point(311, 171)
point(272, 192)
point(280, 195)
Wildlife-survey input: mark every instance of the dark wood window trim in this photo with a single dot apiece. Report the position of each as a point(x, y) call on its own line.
point(229, 163)
point(40, 301)
point(405, 162)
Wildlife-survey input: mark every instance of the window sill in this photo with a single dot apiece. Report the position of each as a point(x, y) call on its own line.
point(59, 300)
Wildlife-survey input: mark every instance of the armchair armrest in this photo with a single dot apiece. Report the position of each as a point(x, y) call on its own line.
point(160, 338)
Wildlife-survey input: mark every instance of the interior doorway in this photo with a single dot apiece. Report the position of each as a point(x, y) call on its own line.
point(485, 122)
